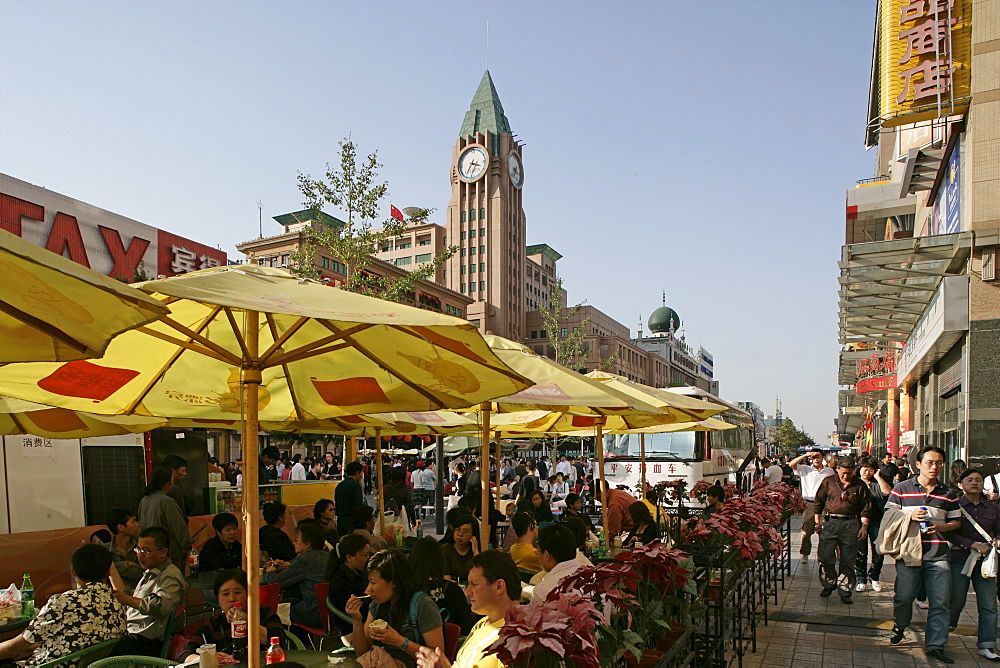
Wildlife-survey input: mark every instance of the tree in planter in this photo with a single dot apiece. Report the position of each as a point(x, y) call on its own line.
point(353, 188)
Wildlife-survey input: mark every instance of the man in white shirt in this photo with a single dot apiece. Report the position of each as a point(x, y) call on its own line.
point(564, 467)
point(772, 472)
point(298, 470)
point(557, 555)
point(810, 477)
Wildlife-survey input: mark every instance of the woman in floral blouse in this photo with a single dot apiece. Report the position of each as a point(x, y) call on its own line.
point(75, 620)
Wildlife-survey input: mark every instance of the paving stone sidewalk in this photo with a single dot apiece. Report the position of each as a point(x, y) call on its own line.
point(813, 639)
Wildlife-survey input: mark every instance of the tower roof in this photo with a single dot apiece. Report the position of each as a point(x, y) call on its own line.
point(485, 113)
point(662, 319)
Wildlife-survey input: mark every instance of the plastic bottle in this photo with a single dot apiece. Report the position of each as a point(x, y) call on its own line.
point(274, 653)
point(602, 549)
point(420, 530)
point(925, 524)
point(27, 598)
point(399, 538)
point(238, 633)
point(193, 568)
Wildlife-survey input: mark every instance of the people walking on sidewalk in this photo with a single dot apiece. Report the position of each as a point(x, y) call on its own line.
point(879, 489)
point(810, 478)
point(841, 508)
point(935, 506)
point(979, 517)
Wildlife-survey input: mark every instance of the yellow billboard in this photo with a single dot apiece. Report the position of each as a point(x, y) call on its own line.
point(923, 59)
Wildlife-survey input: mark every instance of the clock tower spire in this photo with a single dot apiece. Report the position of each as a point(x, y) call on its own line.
point(485, 216)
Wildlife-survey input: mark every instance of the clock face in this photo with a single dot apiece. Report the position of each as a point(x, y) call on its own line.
point(515, 170)
point(472, 163)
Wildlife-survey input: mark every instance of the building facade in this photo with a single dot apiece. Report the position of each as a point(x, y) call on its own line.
point(919, 298)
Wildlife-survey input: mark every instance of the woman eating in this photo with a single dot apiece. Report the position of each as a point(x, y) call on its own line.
point(230, 588)
point(401, 618)
point(644, 529)
point(558, 490)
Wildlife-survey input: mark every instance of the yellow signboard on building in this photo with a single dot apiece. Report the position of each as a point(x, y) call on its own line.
point(923, 59)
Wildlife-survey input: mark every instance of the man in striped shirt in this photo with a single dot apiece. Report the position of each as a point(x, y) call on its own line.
point(926, 499)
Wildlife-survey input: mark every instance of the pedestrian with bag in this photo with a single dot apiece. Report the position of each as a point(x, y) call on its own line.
point(879, 488)
point(974, 560)
point(936, 509)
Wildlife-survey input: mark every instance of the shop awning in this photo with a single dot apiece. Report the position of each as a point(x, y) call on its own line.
point(886, 285)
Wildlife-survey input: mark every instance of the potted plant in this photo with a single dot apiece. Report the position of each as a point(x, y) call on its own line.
point(560, 632)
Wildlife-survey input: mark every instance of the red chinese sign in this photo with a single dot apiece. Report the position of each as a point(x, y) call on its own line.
point(876, 372)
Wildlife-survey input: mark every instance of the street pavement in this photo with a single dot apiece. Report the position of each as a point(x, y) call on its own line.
point(826, 632)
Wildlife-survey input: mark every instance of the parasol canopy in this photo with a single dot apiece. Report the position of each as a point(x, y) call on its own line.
point(25, 417)
point(53, 309)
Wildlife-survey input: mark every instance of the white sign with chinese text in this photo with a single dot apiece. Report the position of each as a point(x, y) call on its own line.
point(37, 447)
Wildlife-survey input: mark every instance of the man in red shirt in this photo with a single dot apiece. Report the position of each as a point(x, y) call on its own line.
point(618, 502)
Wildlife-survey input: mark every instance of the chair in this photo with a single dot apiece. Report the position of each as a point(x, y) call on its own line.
point(83, 657)
point(270, 595)
point(525, 574)
point(322, 591)
point(132, 661)
point(168, 630)
point(294, 642)
point(451, 635)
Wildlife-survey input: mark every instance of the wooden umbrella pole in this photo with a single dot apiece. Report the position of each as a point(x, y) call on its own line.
point(484, 478)
point(642, 464)
point(381, 486)
point(605, 489)
point(498, 455)
point(251, 508)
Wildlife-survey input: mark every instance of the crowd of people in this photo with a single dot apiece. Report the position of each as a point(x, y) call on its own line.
point(937, 530)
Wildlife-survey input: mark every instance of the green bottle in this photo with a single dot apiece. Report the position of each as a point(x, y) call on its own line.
point(27, 598)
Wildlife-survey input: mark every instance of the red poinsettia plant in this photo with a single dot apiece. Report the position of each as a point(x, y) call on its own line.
point(788, 497)
point(559, 632)
point(677, 488)
point(745, 523)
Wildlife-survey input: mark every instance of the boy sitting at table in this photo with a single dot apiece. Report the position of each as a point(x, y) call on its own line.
point(76, 619)
point(524, 552)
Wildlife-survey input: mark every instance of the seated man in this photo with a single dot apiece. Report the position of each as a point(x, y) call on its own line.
point(557, 555)
point(223, 551)
point(363, 518)
point(494, 588)
point(156, 598)
point(523, 551)
point(74, 620)
point(273, 539)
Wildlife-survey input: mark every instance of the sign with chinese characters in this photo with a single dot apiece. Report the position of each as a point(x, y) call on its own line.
point(877, 372)
point(101, 240)
point(627, 473)
point(923, 59)
point(36, 447)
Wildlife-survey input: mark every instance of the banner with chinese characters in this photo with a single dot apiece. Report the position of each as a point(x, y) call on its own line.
point(923, 60)
point(876, 372)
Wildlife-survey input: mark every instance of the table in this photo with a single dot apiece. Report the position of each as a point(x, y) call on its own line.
point(11, 627)
point(312, 659)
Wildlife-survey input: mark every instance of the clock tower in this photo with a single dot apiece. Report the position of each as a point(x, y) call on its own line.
point(486, 218)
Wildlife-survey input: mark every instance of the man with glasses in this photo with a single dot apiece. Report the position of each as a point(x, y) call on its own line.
point(155, 598)
point(925, 499)
point(842, 508)
point(810, 478)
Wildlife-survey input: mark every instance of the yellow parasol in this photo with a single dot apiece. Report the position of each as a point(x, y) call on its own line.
point(255, 343)
point(25, 417)
point(53, 309)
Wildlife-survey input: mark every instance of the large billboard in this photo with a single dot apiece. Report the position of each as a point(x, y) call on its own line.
point(923, 59)
point(104, 241)
point(946, 214)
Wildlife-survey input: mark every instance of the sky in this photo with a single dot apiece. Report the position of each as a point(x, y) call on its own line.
point(702, 149)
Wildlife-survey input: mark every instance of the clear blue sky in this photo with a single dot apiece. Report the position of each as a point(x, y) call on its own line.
point(701, 148)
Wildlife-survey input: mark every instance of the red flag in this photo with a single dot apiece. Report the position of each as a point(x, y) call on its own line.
point(396, 213)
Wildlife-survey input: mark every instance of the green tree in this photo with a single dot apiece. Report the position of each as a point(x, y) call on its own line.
point(353, 188)
point(791, 438)
point(570, 348)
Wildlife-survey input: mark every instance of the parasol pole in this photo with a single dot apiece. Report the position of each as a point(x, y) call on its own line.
point(251, 508)
point(381, 487)
point(642, 464)
point(484, 479)
point(605, 490)
point(498, 455)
